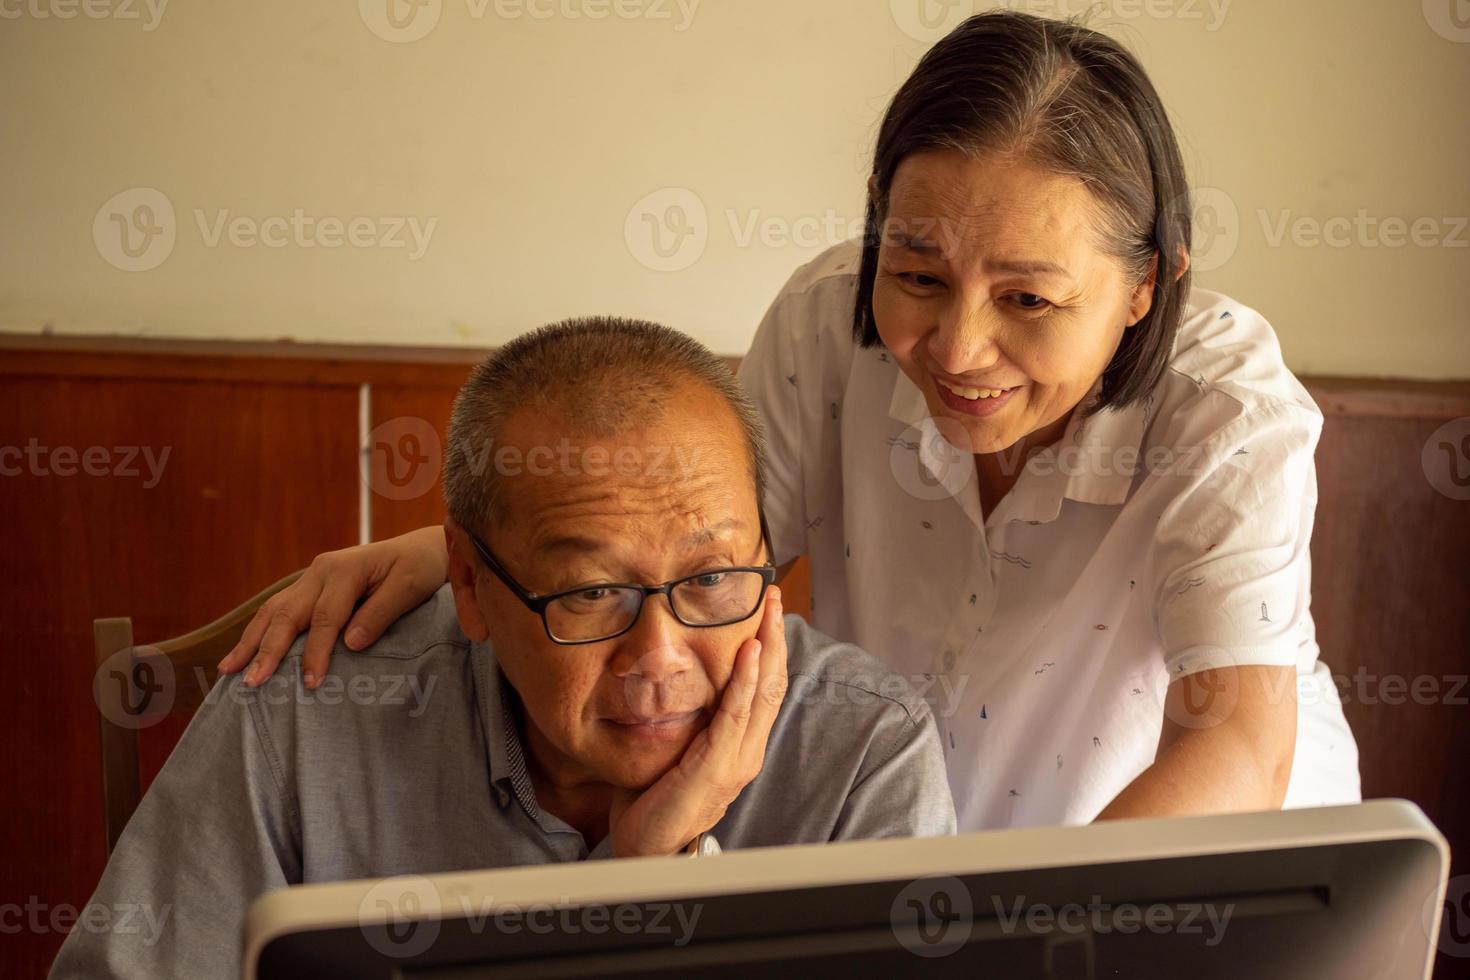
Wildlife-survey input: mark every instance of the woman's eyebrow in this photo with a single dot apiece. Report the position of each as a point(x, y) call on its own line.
point(1029, 268)
point(915, 243)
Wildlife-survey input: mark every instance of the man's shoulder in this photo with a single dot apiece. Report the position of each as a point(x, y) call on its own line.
point(431, 629)
point(423, 654)
point(824, 672)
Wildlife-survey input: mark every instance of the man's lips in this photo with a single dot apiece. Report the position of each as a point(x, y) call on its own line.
point(664, 725)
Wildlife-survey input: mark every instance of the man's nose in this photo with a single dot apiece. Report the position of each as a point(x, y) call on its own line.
point(655, 649)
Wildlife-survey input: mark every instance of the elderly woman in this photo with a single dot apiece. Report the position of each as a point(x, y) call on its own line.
point(1031, 466)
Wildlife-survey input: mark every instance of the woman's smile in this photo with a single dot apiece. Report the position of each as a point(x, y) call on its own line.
point(974, 402)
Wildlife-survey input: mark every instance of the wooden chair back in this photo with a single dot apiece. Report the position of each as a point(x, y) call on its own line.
point(137, 686)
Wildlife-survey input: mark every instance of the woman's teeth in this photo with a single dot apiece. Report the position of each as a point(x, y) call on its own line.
point(974, 394)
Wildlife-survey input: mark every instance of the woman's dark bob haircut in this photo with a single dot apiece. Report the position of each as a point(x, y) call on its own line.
point(1068, 99)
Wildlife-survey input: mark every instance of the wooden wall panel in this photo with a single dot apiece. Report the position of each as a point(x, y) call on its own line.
point(259, 477)
point(1391, 601)
point(408, 425)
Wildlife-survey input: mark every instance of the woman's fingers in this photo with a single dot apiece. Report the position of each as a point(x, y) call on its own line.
point(395, 575)
point(332, 609)
point(249, 641)
point(273, 628)
point(286, 623)
point(398, 595)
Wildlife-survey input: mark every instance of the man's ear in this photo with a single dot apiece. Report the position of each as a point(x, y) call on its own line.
point(462, 580)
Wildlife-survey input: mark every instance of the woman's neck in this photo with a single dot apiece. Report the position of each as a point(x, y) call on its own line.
point(999, 472)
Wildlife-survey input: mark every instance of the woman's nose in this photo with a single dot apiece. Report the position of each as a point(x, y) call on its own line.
point(966, 339)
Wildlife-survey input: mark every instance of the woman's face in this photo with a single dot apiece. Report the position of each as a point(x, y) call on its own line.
point(994, 297)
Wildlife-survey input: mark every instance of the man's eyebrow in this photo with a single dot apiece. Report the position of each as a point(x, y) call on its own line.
point(705, 535)
point(569, 542)
point(582, 544)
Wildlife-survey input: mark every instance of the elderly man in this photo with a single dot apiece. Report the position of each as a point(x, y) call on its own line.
point(607, 673)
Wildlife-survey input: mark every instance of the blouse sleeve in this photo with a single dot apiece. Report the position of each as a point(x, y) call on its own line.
point(771, 376)
point(1231, 565)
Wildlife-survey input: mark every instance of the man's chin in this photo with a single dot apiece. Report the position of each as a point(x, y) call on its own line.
point(641, 767)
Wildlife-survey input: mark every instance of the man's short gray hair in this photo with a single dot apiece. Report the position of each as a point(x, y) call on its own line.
point(602, 375)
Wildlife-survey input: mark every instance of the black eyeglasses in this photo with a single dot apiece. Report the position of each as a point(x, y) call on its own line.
point(591, 613)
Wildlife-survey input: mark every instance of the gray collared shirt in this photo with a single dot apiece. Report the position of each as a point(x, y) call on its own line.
point(407, 760)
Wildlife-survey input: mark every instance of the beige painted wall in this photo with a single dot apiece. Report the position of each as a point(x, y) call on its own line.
point(522, 139)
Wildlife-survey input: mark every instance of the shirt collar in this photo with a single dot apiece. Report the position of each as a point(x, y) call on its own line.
point(1094, 462)
point(509, 777)
point(508, 774)
point(1100, 467)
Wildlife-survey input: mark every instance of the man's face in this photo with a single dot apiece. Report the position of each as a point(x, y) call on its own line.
point(645, 507)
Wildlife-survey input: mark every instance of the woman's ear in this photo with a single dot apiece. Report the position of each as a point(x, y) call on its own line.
point(462, 581)
point(1142, 299)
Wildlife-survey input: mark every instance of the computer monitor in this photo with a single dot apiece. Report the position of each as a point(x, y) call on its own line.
point(1351, 891)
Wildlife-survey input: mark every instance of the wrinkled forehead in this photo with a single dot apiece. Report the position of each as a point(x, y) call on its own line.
point(956, 204)
point(676, 485)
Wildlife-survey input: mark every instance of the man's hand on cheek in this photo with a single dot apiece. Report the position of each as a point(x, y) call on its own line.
point(722, 759)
